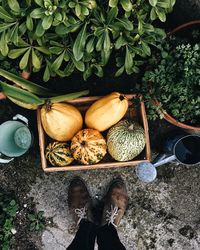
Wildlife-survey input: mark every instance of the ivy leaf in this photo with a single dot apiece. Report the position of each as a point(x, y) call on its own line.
point(79, 44)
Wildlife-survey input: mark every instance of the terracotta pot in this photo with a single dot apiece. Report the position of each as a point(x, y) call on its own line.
point(168, 117)
point(23, 74)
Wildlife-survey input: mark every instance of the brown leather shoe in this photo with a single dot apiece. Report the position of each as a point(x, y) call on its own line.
point(115, 203)
point(79, 200)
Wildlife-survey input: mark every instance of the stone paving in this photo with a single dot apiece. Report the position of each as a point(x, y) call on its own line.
point(162, 215)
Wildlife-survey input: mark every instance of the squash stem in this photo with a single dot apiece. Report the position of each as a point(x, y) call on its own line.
point(121, 97)
point(131, 127)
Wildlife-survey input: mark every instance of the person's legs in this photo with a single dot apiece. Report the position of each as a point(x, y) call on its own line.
point(79, 202)
point(116, 201)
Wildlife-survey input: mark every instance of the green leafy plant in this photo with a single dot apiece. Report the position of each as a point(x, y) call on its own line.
point(30, 95)
point(174, 82)
point(8, 211)
point(37, 221)
point(63, 36)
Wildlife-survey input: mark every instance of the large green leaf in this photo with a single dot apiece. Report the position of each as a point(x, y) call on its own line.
point(5, 15)
point(40, 2)
point(25, 59)
point(39, 29)
point(113, 3)
point(146, 48)
point(57, 63)
point(35, 60)
point(5, 26)
point(20, 94)
point(79, 43)
point(14, 5)
point(112, 14)
point(153, 2)
point(47, 22)
point(106, 44)
point(90, 45)
point(14, 53)
point(79, 65)
point(126, 5)
point(3, 44)
point(68, 97)
point(125, 23)
point(26, 84)
point(61, 29)
point(37, 13)
point(128, 60)
point(29, 23)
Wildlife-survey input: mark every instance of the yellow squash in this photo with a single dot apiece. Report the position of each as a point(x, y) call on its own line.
point(106, 111)
point(61, 121)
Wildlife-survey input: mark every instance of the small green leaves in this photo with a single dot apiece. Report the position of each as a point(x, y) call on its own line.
point(60, 37)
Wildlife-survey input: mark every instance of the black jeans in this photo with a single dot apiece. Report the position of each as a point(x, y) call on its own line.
point(107, 237)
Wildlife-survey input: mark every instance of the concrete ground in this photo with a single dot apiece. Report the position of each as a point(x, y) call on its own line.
point(162, 215)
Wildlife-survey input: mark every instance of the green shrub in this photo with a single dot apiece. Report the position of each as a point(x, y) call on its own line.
point(174, 81)
point(8, 210)
point(61, 36)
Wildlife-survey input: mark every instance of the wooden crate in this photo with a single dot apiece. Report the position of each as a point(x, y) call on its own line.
point(137, 114)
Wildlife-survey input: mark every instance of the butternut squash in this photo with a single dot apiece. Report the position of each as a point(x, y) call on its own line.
point(61, 121)
point(106, 111)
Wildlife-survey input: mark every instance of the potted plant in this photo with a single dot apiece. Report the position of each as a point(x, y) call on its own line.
point(60, 37)
point(172, 83)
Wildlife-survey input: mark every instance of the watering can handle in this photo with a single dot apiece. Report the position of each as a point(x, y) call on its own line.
point(21, 118)
point(5, 160)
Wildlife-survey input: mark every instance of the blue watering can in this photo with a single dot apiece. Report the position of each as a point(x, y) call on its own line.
point(15, 138)
point(183, 148)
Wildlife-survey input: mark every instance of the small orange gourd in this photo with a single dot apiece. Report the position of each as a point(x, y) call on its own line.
point(106, 111)
point(88, 146)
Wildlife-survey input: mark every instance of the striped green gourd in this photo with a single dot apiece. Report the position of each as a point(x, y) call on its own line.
point(125, 140)
point(58, 154)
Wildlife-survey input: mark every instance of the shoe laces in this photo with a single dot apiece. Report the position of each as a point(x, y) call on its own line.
point(81, 214)
point(111, 215)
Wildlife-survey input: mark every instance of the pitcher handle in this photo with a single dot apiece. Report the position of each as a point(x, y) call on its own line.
point(5, 160)
point(21, 118)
